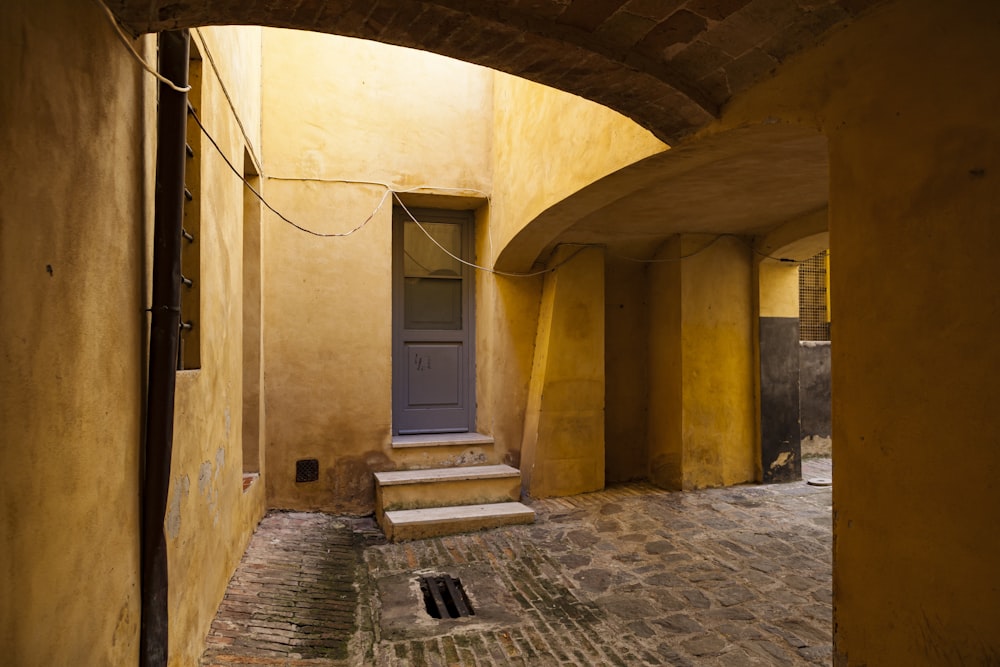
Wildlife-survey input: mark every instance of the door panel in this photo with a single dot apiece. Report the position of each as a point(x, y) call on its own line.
point(433, 375)
point(432, 323)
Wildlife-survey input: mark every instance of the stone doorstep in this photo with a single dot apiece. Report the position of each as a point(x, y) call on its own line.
point(401, 477)
point(440, 440)
point(436, 521)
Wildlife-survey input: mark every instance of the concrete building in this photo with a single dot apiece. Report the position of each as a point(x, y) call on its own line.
point(733, 134)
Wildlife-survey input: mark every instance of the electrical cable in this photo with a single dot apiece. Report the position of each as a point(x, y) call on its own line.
point(229, 99)
point(268, 205)
point(485, 269)
point(705, 247)
point(135, 54)
point(389, 189)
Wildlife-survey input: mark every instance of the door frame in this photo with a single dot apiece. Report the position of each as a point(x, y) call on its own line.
point(466, 218)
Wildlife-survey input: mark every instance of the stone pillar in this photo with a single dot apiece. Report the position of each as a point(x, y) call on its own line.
point(778, 367)
point(563, 447)
point(701, 394)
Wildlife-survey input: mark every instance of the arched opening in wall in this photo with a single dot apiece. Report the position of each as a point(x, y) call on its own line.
point(793, 376)
point(683, 232)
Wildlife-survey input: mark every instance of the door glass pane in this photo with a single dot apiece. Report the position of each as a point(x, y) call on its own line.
point(421, 257)
point(432, 303)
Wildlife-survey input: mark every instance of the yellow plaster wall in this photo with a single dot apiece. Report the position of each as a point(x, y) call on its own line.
point(209, 516)
point(702, 412)
point(71, 338)
point(506, 314)
point(778, 285)
point(665, 398)
point(914, 145)
point(341, 109)
point(346, 108)
point(626, 363)
point(549, 144)
point(563, 446)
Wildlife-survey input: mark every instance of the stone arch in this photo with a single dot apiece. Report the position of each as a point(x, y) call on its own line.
point(671, 67)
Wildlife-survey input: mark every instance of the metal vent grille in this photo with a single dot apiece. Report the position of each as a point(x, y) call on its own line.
point(814, 316)
point(306, 470)
point(444, 597)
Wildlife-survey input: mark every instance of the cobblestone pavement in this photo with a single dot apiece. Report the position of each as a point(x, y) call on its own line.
point(633, 575)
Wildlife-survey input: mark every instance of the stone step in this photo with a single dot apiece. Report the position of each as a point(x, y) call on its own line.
point(440, 450)
point(440, 440)
point(440, 487)
point(400, 525)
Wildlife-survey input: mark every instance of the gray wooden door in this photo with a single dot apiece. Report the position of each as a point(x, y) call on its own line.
point(433, 358)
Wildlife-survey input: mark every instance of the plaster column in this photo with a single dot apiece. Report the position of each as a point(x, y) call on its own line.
point(563, 447)
point(701, 394)
point(915, 229)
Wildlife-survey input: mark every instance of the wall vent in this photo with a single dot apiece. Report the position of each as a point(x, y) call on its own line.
point(306, 470)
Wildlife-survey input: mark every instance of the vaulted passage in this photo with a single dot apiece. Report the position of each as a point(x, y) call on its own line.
point(670, 66)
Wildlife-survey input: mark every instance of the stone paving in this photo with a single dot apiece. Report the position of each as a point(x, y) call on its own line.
point(633, 575)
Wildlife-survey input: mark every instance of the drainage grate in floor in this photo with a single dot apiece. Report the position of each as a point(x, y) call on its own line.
point(444, 597)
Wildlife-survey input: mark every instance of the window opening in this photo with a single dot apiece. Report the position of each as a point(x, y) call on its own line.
point(814, 298)
point(189, 353)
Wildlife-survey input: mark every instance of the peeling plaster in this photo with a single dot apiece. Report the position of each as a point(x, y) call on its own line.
point(182, 485)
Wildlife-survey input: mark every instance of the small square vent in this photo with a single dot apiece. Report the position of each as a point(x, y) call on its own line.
point(306, 470)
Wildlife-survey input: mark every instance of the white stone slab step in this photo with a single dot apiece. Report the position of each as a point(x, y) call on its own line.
point(398, 477)
point(435, 521)
point(440, 440)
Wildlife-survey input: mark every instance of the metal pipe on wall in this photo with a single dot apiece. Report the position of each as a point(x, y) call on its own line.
point(163, 344)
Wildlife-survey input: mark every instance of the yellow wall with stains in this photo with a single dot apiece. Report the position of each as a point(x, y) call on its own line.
point(550, 144)
point(209, 516)
point(563, 446)
point(701, 400)
point(334, 137)
point(77, 133)
point(907, 103)
point(71, 337)
point(344, 120)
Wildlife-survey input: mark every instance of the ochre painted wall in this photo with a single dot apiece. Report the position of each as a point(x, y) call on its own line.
point(71, 338)
point(78, 132)
point(77, 135)
point(338, 109)
point(549, 144)
point(209, 516)
point(342, 119)
point(626, 365)
point(701, 402)
point(563, 446)
point(915, 167)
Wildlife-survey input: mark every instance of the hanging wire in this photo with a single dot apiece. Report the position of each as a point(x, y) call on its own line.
point(135, 54)
point(225, 92)
point(389, 189)
point(477, 266)
point(274, 210)
point(716, 239)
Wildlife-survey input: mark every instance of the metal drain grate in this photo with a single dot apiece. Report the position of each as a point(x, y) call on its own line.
point(444, 597)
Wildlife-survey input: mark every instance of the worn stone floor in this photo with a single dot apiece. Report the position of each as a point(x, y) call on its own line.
point(633, 575)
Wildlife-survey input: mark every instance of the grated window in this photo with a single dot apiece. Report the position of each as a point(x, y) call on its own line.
point(814, 302)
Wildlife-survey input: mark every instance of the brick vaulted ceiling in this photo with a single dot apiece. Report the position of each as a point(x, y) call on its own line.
point(670, 65)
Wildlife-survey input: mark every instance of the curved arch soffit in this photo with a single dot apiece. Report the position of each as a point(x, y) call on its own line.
point(750, 181)
point(665, 67)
